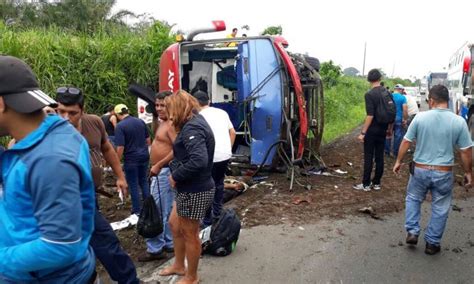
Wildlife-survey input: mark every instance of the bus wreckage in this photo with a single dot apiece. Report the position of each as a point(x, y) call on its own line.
point(274, 98)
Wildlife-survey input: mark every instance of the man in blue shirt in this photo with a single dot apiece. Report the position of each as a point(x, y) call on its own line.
point(46, 194)
point(436, 132)
point(132, 140)
point(400, 121)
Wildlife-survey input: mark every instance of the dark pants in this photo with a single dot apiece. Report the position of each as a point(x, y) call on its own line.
point(373, 147)
point(218, 175)
point(107, 249)
point(136, 176)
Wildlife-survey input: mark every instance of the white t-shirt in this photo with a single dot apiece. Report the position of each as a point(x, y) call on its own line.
point(411, 105)
point(220, 124)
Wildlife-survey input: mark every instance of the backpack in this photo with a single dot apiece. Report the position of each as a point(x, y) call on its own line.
point(150, 223)
point(224, 234)
point(386, 111)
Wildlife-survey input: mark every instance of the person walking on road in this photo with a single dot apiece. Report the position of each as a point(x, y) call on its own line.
point(224, 136)
point(400, 124)
point(46, 188)
point(373, 134)
point(161, 155)
point(436, 132)
point(132, 140)
point(104, 242)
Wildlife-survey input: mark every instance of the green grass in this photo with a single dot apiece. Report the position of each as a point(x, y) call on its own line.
point(344, 107)
point(102, 64)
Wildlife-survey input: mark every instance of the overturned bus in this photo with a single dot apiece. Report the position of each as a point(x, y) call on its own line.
point(274, 98)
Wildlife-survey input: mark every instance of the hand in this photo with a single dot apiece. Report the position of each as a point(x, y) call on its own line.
point(122, 186)
point(155, 170)
point(468, 180)
point(396, 167)
point(389, 134)
point(361, 137)
point(172, 181)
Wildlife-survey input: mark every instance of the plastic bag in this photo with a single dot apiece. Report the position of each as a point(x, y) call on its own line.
point(150, 223)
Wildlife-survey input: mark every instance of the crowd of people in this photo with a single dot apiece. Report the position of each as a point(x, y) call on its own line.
point(51, 229)
point(436, 134)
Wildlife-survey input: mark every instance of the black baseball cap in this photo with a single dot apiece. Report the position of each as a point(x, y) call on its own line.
point(19, 87)
point(202, 97)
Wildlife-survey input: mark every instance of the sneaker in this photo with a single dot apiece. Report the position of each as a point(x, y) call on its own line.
point(411, 239)
point(147, 256)
point(376, 187)
point(432, 249)
point(360, 186)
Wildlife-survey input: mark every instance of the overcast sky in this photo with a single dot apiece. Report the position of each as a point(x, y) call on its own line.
point(404, 37)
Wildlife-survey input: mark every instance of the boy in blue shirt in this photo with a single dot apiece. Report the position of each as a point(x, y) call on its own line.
point(46, 194)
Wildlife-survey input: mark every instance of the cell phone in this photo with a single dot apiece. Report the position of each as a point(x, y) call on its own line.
point(412, 168)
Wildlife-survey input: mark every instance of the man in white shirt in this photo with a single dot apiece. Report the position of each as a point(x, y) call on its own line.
point(412, 107)
point(224, 135)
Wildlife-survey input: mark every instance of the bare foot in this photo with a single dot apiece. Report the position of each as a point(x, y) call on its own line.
point(172, 270)
point(187, 280)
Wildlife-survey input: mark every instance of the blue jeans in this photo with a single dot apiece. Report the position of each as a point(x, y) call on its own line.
point(398, 133)
point(160, 187)
point(136, 176)
point(440, 184)
point(107, 248)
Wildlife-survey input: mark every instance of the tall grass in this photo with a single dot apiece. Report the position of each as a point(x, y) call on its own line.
point(102, 64)
point(344, 107)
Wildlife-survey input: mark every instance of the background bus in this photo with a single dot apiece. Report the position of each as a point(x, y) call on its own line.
point(461, 83)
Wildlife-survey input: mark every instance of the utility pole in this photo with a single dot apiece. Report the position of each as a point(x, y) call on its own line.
point(363, 66)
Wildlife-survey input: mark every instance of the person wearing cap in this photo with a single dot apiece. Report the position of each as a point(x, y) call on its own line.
point(132, 140)
point(104, 242)
point(400, 121)
point(224, 136)
point(437, 132)
point(46, 191)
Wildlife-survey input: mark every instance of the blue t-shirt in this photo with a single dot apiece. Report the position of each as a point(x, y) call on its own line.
point(131, 133)
point(437, 132)
point(399, 100)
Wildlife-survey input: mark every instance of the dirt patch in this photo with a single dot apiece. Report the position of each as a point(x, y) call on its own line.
point(328, 197)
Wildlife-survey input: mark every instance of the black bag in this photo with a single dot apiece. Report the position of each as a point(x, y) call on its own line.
point(386, 111)
point(224, 234)
point(150, 223)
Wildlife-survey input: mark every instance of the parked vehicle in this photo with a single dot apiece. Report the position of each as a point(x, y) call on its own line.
point(273, 97)
point(414, 92)
point(460, 83)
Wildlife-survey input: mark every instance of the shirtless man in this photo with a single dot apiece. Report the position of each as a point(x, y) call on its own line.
point(161, 154)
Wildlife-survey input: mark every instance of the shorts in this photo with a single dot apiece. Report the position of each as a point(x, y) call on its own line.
point(194, 205)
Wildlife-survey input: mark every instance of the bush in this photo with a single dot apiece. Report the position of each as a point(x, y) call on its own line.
point(102, 64)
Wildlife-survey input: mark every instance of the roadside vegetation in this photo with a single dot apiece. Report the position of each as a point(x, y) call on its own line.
point(344, 100)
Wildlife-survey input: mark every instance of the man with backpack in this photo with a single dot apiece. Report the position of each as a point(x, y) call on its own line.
point(381, 113)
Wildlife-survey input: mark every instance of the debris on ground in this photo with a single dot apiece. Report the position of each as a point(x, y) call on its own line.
point(456, 208)
point(297, 200)
point(370, 211)
point(400, 243)
point(338, 171)
point(349, 164)
point(457, 250)
point(129, 221)
point(470, 243)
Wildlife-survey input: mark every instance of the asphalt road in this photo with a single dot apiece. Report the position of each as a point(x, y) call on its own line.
point(354, 250)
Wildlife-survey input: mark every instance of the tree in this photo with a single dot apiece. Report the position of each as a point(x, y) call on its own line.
point(273, 30)
point(351, 71)
point(76, 15)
